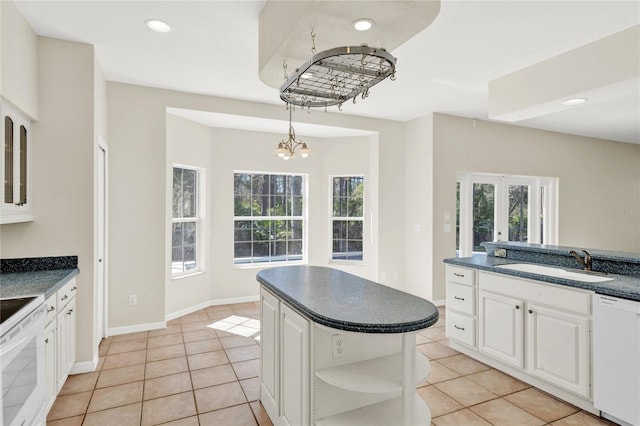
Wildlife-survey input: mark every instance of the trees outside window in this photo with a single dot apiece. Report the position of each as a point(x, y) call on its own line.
point(269, 218)
point(185, 231)
point(347, 216)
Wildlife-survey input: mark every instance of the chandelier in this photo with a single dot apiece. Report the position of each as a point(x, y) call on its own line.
point(287, 149)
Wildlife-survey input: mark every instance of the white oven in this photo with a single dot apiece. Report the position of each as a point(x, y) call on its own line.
point(22, 363)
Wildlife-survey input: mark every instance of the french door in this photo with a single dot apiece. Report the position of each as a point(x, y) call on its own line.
point(504, 208)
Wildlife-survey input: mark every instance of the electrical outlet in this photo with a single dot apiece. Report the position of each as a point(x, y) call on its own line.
point(339, 347)
point(133, 299)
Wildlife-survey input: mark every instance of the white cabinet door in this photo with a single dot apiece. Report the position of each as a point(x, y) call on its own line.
point(66, 342)
point(269, 353)
point(71, 341)
point(501, 328)
point(558, 348)
point(50, 363)
point(294, 368)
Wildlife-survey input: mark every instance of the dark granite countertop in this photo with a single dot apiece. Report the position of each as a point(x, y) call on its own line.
point(347, 302)
point(617, 256)
point(16, 284)
point(622, 286)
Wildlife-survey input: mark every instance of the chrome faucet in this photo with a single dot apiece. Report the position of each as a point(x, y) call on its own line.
point(586, 262)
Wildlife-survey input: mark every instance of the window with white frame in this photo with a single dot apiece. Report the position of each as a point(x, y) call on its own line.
point(269, 218)
point(185, 232)
point(347, 217)
point(504, 208)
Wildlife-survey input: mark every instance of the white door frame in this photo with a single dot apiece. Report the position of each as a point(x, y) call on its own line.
point(101, 243)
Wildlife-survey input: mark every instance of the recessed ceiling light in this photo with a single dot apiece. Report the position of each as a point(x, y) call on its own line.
point(158, 25)
point(575, 101)
point(363, 24)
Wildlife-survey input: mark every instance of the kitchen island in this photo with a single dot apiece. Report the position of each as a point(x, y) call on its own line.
point(339, 349)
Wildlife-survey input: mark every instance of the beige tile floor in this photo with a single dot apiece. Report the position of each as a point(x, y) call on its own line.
point(203, 370)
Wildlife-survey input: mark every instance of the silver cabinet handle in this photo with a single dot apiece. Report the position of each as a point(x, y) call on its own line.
point(74, 288)
point(455, 274)
point(458, 298)
point(459, 328)
point(51, 309)
point(64, 297)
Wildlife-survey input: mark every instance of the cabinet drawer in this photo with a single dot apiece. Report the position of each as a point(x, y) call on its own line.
point(551, 295)
point(51, 307)
point(65, 294)
point(459, 275)
point(461, 328)
point(461, 298)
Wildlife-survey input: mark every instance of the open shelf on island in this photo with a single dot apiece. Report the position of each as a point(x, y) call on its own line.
point(376, 375)
point(387, 413)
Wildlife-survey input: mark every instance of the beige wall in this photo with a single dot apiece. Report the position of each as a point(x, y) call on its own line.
point(598, 181)
point(19, 56)
point(137, 127)
point(418, 233)
point(189, 143)
point(63, 174)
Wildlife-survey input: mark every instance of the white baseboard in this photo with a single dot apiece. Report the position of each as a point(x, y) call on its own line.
point(85, 366)
point(215, 302)
point(114, 331)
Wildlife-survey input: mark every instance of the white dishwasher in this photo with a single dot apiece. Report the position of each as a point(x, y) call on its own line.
point(616, 358)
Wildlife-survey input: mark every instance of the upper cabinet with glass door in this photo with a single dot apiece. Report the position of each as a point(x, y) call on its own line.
point(15, 164)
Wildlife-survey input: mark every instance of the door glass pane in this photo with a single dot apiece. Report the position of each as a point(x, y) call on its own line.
point(483, 214)
point(8, 160)
point(518, 212)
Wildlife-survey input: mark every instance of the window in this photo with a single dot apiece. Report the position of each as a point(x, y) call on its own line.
point(503, 208)
point(269, 218)
point(347, 217)
point(186, 221)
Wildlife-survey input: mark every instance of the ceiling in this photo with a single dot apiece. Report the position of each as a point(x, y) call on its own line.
point(213, 49)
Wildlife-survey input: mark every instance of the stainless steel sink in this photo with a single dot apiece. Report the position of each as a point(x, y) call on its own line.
point(551, 271)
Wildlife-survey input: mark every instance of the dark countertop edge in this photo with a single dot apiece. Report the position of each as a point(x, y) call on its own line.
point(349, 326)
point(617, 256)
point(599, 288)
point(34, 264)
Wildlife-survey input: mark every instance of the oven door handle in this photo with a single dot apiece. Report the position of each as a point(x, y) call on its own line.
point(8, 348)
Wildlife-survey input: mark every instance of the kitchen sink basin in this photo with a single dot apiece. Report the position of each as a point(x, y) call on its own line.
point(551, 271)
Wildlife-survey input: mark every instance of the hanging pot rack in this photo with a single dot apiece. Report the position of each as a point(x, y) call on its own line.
point(337, 75)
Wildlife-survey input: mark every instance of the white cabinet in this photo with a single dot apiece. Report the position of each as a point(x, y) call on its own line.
point(60, 339)
point(461, 305)
point(284, 362)
point(15, 167)
point(269, 353)
point(66, 354)
point(501, 330)
point(539, 328)
point(558, 348)
point(50, 363)
point(294, 373)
